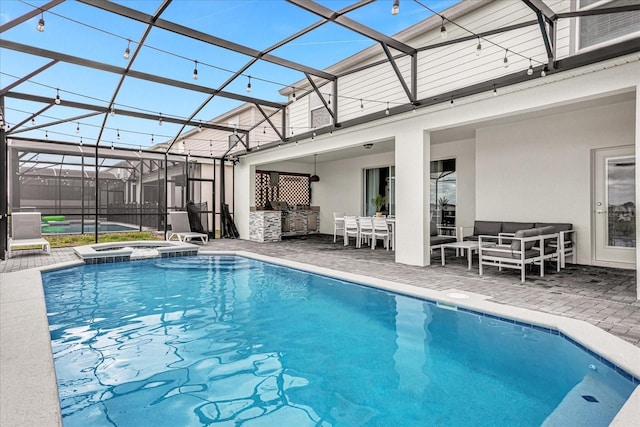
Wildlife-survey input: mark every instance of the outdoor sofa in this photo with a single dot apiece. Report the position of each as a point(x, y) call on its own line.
point(493, 230)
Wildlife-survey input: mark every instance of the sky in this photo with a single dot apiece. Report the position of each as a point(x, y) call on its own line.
point(83, 31)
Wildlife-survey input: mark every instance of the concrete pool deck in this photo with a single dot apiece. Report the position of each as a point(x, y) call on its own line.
point(601, 297)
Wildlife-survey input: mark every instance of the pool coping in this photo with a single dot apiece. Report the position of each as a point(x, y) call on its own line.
point(28, 387)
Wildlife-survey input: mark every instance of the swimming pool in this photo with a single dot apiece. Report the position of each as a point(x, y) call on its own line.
point(75, 227)
point(206, 340)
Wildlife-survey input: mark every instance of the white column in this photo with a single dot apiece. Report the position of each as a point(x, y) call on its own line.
point(243, 196)
point(412, 196)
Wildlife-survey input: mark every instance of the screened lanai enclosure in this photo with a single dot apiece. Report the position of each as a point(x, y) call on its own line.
point(80, 190)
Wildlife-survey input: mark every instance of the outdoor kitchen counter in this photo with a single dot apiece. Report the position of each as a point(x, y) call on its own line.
point(271, 225)
point(265, 226)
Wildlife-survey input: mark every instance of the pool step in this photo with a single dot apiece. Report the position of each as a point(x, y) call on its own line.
point(589, 403)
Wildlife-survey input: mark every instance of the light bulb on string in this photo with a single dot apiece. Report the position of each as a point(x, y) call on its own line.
point(200, 126)
point(443, 30)
point(495, 91)
point(361, 104)
point(57, 100)
point(78, 128)
point(33, 122)
point(293, 95)
point(40, 26)
point(249, 85)
point(396, 7)
point(543, 73)
point(160, 120)
point(127, 51)
point(195, 71)
point(112, 110)
point(530, 69)
point(118, 134)
point(505, 61)
point(479, 47)
point(387, 110)
point(112, 145)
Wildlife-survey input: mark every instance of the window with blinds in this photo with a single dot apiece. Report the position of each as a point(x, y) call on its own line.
point(601, 29)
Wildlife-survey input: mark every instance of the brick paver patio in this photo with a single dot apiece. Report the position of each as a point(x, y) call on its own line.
point(605, 297)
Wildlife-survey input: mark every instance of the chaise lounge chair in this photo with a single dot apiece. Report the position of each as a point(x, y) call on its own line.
point(26, 230)
point(181, 229)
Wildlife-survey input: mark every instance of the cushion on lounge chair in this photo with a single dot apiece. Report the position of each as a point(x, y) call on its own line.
point(531, 253)
point(490, 228)
point(441, 240)
point(531, 232)
point(512, 227)
point(558, 226)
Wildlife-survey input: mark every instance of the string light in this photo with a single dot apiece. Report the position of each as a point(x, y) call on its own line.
point(361, 104)
point(264, 130)
point(543, 73)
point(78, 128)
point(127, 51)
point(33, 121)
point(479, 47)
point(113, 111)
point(396, 7)
point(41, 23)
point(443, 30)
point(57, 100)
point(46, 135)
point(387, 110)
point(195, 71)
point(151, 138)
point(81, 141)
point(200, 126)
point(506, 60)
point(160, 120)
point(249, 85)
point(530, 70)
point(293, 95)
point(118, 135)
point(495, 91)
point(112, 145)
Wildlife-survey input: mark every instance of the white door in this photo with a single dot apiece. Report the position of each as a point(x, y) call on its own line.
point(614, 213)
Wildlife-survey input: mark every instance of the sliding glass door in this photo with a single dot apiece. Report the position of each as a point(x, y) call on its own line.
point(443, 192)
point(379, 181)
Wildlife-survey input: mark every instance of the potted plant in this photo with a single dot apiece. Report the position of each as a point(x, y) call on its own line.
point(379, 201)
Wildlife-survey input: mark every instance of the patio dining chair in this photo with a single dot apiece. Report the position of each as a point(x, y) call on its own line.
point(338, 224)
point(26, 230)
point(365, 224)
point(381, 231)
point(351, 229)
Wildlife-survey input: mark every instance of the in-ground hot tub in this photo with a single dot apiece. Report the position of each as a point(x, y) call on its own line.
point(125, 251)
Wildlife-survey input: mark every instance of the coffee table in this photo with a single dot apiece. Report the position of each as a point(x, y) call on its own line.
point(467, 245)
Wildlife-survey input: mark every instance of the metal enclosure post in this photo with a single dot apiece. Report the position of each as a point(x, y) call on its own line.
point(4, 201)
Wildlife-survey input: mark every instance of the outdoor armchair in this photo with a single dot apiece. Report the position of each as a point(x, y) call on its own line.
point(525, 247)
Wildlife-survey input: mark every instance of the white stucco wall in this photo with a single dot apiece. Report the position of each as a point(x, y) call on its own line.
point(341, 186)
point(539, 169)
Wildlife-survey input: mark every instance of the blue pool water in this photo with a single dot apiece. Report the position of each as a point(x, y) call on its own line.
point(226, 340)
point(75, 227)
